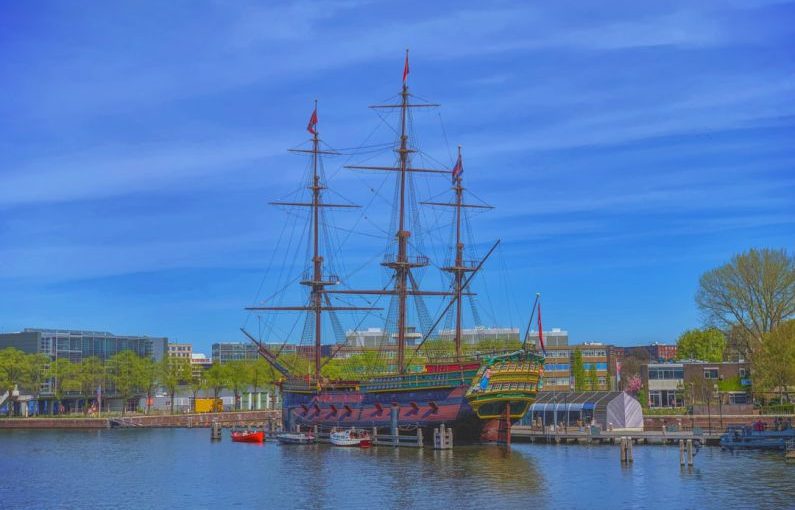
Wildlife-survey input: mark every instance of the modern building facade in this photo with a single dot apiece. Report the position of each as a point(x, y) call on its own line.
point(696, 383)
point(199, 362)
point(664, 383)
point(77, 345)
point(473, 336)
point(223, 352)
point(560, 358)
point(180, 351)
point(377, 337)
point(554, 337)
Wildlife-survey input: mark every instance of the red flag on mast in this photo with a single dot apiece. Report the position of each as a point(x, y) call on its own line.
point(312, 126)
point(406, 67)
point(540, 330)
point(458, 169)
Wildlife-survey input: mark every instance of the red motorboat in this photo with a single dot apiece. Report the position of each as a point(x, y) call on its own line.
point(246, 436)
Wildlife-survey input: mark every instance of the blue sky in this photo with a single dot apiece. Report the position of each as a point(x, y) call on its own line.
point(627, 146)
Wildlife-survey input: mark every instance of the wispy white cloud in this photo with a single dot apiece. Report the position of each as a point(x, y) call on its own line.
point(102, 172)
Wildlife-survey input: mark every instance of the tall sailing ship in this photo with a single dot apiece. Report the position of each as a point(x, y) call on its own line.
point(471, 392)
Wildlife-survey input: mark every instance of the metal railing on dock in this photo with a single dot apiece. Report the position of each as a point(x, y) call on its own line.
point(589, 435)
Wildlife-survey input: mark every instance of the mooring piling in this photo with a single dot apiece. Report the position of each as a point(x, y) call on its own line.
point(215, 431)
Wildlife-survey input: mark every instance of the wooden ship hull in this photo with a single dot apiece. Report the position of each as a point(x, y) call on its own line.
point(448, 395)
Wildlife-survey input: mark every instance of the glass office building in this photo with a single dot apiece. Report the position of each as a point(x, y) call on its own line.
point(78, 345)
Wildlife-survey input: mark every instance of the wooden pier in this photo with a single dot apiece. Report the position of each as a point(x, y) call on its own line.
point(588, 436)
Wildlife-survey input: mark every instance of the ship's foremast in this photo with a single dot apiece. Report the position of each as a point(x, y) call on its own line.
point(317, 282)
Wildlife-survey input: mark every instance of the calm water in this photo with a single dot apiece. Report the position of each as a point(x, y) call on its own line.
point(173, 469)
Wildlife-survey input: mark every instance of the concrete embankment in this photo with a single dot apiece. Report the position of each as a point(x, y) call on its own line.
point(141, 421)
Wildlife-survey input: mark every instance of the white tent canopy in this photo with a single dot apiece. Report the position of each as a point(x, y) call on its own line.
point(608, 409)
point(624, 412)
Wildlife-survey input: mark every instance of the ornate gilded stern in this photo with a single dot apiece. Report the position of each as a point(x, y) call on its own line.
point(513, 379)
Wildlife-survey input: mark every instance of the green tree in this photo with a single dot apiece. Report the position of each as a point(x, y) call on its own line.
point(125, 374)
point(148, 373)
point(260, 374)
point(578, 370)
point(22, 370)
point(643, 397)
point(438, 348)
point(37, 371)
point(217, 378)
point(593, 378)
point(65, 377)
point(298, 365)
point(774, 363)
point(14, 369)
point(91, 373)
point(236, 375)
point(335, 369)
point(173, 372)
point(755, 291)
point(197, 383)
point(701, 344)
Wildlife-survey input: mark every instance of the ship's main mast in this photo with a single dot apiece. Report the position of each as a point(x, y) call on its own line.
point(402, 264)
point(317, 284)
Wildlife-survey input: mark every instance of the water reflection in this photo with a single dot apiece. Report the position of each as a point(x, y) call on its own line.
point(123, 469)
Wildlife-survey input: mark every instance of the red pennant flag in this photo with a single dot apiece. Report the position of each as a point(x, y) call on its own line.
point(458, 169)
point(312, 126)
point(406, 68)
point(540, 330)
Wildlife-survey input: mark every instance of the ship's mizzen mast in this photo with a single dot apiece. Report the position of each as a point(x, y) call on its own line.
point(316, 281)
point(460, 267)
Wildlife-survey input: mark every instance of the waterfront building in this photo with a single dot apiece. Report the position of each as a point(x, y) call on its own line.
point(180, 350)
point(557, 369)
point(664, 383)
point(473, 336)
point(223, 352)
point(554, 337)
point(377, 337)
point(654, 352)
point(76, 345)
point(594, 354)
point(700, 384)
point(560, 357)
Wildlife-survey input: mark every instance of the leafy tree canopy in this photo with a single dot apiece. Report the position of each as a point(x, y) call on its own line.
point(701, 344)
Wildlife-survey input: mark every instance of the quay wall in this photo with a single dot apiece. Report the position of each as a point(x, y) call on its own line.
point(142, 421)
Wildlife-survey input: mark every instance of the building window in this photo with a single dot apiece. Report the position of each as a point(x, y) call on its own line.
point(666, 373)
point(710, 373)
point(743, 373)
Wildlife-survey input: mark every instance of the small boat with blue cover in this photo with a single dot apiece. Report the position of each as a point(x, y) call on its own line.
point(756, 437)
